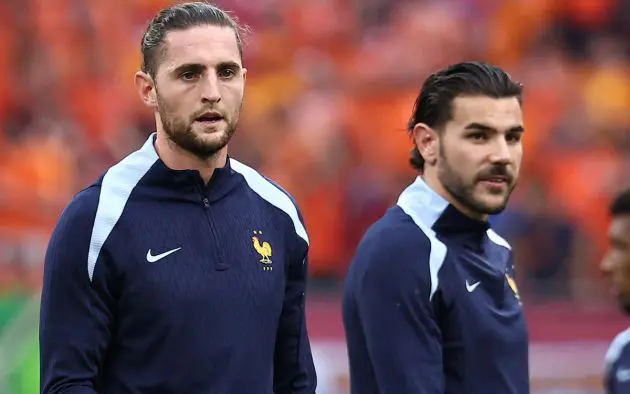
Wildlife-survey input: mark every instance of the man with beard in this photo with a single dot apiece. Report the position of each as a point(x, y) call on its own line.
point(430, 304)
point(181, 270)
point(616, 266)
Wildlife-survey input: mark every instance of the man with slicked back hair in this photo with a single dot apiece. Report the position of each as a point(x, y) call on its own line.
point(181, 270)
point(430, 304)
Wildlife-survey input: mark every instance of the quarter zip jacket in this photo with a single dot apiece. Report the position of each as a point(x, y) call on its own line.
point(157, 283)
point(430, 304)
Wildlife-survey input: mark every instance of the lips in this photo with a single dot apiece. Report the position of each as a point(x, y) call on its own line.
point(496, 179)
point(209, 117)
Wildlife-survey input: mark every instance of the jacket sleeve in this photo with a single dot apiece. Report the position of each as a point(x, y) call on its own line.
point(294, 370)
point(617, 374)
point(393, 303)
point(76, 311)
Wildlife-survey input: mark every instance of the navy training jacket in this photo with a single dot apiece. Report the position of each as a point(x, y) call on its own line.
point(430, 304)
point(155, 282)
point(617, 370)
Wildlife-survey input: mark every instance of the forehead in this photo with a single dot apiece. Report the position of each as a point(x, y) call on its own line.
point(620, 227)
point(501, 114)
point(205, 44)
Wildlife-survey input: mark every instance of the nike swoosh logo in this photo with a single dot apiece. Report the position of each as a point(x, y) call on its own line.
point(152, 259)
point(472, 287)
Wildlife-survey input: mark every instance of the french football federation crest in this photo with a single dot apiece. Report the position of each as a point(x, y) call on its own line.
point(264, 250)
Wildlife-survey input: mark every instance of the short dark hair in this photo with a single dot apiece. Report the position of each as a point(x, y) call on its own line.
point(621, 203)
point(180, 17)
point(433, 105)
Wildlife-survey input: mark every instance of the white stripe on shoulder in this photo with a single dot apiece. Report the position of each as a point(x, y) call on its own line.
point(117, 185)
point(617, 346)
point(272, 194)
point(424, 206)
point(497, 239)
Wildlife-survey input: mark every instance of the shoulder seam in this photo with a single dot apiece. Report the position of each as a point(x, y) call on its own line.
point(273, 194)
point(116, 187)
point(497, 239)
point(618, 344)
point(437, 253)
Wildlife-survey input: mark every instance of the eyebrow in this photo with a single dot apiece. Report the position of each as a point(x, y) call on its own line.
point(195, 67)
point(229, 64)
point(198, 67)
point(483, 127)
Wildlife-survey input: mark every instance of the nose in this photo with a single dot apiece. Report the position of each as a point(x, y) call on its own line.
point(501, 153)
point(210, 89)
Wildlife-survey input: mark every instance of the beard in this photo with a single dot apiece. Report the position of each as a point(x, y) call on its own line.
point(180, 131)
point(464, 192)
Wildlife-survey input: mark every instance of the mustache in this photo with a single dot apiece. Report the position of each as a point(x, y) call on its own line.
point(207, 109)
point(495, 171)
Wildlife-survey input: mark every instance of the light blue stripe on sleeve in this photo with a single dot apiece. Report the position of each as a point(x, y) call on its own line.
point(272, 194)
point(424, 206)
point(117, 185)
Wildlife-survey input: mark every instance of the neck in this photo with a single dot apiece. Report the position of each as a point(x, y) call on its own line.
point(432, 180)
point(176, 158)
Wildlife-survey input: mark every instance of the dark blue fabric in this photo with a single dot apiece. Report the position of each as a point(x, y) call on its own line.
point(207, 318)
point(469, 337)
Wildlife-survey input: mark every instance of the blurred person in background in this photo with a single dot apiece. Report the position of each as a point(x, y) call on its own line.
point(181, 270)
point(430, 302)
point(616, 266)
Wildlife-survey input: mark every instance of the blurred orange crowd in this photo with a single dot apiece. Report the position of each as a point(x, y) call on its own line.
point(330, 87)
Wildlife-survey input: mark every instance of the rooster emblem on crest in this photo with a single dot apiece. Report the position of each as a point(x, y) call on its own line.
point(513, 286)
point(263, 249)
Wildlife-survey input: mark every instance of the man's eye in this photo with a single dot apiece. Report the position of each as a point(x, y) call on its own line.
point(188, 75)
point(514, 137)
point(477, 136)
point(227, 73)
